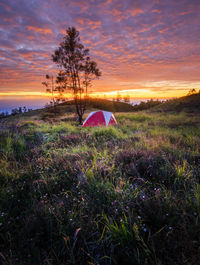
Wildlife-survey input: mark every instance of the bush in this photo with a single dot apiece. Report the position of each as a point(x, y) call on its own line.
point(141, 164)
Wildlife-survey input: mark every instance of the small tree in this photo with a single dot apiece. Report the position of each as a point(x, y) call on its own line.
point(192, 92)
point(50, 88)
point(77, 70)
point(118, 97)
point(126, 99)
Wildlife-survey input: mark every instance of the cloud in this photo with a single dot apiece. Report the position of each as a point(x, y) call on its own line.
point(132, 41)
point(40, 30)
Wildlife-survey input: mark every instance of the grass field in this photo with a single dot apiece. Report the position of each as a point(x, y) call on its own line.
point(128, 194)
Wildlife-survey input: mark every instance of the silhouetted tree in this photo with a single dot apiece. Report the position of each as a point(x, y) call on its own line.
point(118, 97)
point(50, 88)
point(18, 110)
point(126, 99)
point(77, 70)
point(192, 91)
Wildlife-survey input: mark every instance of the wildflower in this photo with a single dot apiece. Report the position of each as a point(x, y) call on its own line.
point(170, 228)
point(139, 217)
point(144, 229)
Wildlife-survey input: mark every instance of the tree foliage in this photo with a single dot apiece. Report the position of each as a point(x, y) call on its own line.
point(76, 69)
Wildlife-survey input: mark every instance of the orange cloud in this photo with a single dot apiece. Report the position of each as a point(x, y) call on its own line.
point(136, 11)
point(40, 30)
point(80, 21)
point(94, 24)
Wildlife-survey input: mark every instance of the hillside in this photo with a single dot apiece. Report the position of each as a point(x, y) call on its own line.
point(72, 195)
point(189, 104)
point(68, 110)
point(103, 104)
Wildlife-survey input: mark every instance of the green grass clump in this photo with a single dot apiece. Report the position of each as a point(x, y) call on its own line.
point(127, 194)
point(107, 133)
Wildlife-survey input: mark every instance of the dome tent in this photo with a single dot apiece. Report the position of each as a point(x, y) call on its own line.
point(100, 118)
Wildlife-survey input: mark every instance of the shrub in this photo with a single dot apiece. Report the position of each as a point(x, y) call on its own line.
point(140, 164)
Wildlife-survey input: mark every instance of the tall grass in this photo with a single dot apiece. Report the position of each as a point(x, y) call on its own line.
point(128, 194)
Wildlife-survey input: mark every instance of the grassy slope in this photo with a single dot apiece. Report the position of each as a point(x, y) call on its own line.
point(66, 110)
point(121, 195)
point(105, 104)
point(189, 104)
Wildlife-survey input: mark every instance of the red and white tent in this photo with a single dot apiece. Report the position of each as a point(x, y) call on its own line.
point(99, 118)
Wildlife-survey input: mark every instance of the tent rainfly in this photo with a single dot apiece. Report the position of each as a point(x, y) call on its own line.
point(99, 118)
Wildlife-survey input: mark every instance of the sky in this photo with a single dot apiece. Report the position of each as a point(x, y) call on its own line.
point(146, 48)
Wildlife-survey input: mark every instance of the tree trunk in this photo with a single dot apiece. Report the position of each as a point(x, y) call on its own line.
point(80, 119)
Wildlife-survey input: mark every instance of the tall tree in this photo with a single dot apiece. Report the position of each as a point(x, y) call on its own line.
point(77, 70)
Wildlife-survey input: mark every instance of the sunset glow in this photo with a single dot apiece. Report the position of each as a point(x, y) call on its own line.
point(145, 49)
